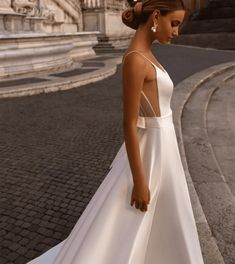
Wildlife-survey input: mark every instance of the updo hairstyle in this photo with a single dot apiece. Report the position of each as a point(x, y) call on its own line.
point(139, 11)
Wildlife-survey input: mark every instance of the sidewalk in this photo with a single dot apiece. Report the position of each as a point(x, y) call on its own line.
point(45, 151)
point(82, 73)
point(211, 188)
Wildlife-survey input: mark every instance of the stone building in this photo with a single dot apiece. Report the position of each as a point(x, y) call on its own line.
point(39, 35)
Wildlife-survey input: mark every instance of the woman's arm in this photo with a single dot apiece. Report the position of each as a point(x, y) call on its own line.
point(134, 72)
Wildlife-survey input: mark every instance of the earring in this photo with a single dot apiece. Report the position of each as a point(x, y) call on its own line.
point(154, 28)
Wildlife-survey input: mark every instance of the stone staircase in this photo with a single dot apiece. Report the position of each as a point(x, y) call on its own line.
point(209, 26)
point(212, 26)
point(196, 127)
point(109, 44)
point(217, 16)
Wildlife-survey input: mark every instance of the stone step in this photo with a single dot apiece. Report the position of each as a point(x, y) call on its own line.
point(223, 41)
point(107, 50)
point(208, 179)
point(104, 45)
point(214, 13)
point(190, 89)
point(209, 26)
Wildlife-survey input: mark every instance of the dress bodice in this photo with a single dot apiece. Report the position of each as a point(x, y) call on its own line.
point(165, 87)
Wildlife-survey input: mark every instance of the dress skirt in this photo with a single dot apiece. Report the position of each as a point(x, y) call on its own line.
point(111, 231)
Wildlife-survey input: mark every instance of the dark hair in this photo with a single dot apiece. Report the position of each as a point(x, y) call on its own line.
point(139, 11)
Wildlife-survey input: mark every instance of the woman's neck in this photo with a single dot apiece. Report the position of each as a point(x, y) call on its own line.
point(141, 40)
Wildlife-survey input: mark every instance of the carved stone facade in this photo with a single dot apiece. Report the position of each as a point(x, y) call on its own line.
point(70, 16)
point(37, 29)
point(79, 24)
point(5, 6)
point(62, 16)
point(40, 16)
point(25, 7)
point(42, 35)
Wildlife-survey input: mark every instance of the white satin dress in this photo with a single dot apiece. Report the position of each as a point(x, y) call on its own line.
point(110, 230)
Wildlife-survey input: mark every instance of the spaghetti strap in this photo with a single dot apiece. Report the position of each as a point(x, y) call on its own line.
point(136, 51)
point(150, 107)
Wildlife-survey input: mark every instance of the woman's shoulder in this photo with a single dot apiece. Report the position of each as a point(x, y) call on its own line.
point(133, 57)
point(134, 65)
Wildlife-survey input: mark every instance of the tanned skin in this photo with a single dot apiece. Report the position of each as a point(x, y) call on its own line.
point(138, 74)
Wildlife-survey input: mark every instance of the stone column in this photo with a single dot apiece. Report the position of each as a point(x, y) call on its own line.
point(105, 16)
point(93, 16)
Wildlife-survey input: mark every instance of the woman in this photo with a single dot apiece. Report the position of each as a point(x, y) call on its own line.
point(141, 213)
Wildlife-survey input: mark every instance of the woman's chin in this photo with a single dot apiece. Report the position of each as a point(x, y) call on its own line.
point(165, 41)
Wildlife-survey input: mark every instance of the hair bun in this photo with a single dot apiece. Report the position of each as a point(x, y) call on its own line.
point(138, 9)
point(128, 18)
point(131, 15)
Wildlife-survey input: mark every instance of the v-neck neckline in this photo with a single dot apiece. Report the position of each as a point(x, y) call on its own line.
point(160, 68)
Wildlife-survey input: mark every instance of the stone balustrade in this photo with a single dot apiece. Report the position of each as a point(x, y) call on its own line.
point(91, 4)
point(104, 4)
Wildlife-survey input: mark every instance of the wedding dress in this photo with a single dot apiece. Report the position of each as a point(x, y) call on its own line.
point(110, 230)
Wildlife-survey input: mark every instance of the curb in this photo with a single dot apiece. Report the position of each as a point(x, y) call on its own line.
point(53, 85)
point(181, 95)
point(192, 46)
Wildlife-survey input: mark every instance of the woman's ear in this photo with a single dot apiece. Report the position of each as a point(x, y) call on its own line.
point(155, 14)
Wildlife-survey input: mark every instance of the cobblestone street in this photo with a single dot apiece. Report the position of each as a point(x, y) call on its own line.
point(55, 151)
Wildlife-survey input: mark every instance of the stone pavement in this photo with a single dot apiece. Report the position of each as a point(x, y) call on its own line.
point(209, 146)
point(56, 148)
point(194, 119)
point(84, 72)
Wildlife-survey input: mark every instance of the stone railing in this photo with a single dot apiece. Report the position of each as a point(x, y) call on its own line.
point(90, 4)
point(67, 7)
point(75, 3)
point(107, 4)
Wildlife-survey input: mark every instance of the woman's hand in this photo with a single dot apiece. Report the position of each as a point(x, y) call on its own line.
point(140, 196)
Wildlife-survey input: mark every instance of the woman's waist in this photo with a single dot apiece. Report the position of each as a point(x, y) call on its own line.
point(155, 121)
